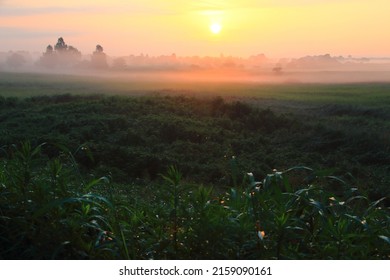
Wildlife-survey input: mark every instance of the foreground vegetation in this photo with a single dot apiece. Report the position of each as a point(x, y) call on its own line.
point(134, 139)
point(49, 212)
point(165, 177)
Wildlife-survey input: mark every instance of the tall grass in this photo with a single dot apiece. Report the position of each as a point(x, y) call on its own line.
point(47, 211)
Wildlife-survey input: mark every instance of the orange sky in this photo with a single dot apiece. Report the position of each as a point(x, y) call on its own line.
point(277, 28)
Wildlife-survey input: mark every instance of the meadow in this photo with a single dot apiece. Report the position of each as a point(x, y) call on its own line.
point(133, 167)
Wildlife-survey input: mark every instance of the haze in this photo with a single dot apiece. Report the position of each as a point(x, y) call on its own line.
point(279, 41)
point(278, 28)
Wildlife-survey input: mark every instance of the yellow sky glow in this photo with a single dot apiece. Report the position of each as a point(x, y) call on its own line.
point(277, 28)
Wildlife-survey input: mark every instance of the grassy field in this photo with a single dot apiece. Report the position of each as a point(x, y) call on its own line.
point(131, 168)
point(359, 94)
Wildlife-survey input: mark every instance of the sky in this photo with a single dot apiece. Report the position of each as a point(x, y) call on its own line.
point(277, 28)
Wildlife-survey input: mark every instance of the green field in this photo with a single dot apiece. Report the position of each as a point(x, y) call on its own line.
point(191, 169)
point(26, 84)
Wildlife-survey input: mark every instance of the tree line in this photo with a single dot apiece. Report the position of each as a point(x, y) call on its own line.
point(62, 55)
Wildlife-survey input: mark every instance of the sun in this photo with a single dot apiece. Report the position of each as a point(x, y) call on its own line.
point(216, 28)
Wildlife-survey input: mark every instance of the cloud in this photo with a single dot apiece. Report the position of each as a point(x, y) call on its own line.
point(18, 33)
point(27, 11)
point(248, 4)
point(144, 8)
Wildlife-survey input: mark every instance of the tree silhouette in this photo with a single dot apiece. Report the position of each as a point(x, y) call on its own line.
point(99, 49)
point(119, 63)
point(61, 46)
point(49, 50)
point(49, 58)
point(73, 52)
point(277, 69)
point(15, 60)
point(61, 55)
point(99, 58)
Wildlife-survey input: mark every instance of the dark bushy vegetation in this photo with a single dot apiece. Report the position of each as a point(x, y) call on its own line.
point(141, 137)
point(49, 212)
point(133, 138)
point(52, 205)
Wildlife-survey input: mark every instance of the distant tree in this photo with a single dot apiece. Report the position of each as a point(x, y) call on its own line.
point(49, 58)
point(49, 50)
point(99, 49)
point(119, 63)
point(73, 50)
point(277, 69)
point(15, 60)
point(61, 55)
point(99, 58)
point(73, 54)
point(61, 46)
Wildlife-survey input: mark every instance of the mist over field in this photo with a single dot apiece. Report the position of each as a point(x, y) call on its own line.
point(64, 59)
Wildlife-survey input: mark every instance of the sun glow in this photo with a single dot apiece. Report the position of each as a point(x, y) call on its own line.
point(216, 28)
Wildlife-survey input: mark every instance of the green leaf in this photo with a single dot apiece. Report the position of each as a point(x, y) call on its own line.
point(294, 228)
point(355, 198)
point(385, 238)
point(252, 181)
point(37, 149)
point(93, 197)
point(317, 205)
point(299, 168)
point(355, 218)
point(374, 204)
point(96, 182)
point(358, 220)
point(337, 179)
